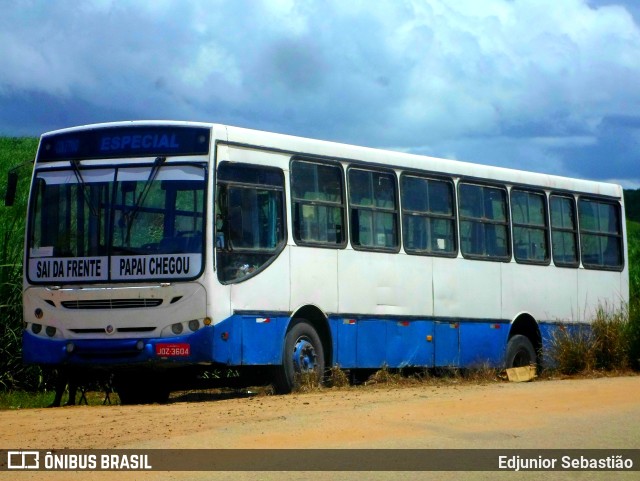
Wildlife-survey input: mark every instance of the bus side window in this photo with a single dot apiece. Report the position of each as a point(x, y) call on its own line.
point(428, 217)
point(373, 210)
point(251, 205)
point(530, 229)
point(484, 225)
point(317, 192)
point(600, 234)
point(564, 231)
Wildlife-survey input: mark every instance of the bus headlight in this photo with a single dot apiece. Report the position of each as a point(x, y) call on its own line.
point(36, 328)
point(51, 331)
point(176, 328)
point(194, 325)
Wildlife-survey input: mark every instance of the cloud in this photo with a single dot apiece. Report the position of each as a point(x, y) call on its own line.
point(526, 84)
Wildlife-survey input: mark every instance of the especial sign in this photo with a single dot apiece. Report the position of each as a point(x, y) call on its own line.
point(137, 141)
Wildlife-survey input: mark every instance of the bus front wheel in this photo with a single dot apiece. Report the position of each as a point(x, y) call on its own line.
point(520, 352)
point(302, 358)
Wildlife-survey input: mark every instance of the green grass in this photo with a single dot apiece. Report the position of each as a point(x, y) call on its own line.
point(13, 375)
point(25, 399)
point(633, 240)
point(632, 204)
point(42, 399)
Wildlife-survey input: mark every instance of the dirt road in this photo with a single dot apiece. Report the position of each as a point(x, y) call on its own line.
point(589, 413)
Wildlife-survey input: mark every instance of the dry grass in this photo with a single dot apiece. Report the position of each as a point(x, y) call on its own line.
point(307, 381)
point(602, 346)
point(337, 378)
point(483, 375)
point(387, 376)
point(420, 376)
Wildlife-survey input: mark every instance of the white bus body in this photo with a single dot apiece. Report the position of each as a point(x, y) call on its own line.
point(258, 249)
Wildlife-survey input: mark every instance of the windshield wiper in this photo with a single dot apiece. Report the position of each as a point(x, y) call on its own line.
point(75, 165)
point(143, 195)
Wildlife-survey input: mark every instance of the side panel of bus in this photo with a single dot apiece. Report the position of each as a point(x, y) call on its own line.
point(402, 310)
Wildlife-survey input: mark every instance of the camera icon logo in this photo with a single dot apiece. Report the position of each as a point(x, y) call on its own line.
point(23, 460)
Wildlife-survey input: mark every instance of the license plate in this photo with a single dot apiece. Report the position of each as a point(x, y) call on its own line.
point(173, 350)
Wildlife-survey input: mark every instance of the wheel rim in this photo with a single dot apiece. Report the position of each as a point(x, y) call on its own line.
point(304, 356)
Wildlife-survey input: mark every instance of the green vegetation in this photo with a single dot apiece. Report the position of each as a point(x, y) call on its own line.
point(632, 204)
point(42, 399)
point(13, 375)
point(633, 237)
point(24, 399)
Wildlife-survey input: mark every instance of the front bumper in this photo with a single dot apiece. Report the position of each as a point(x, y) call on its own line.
point(113, 352)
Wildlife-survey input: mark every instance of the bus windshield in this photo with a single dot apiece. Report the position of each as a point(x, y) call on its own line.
point(126, 223)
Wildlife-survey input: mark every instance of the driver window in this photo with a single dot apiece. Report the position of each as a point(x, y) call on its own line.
point(250, 229)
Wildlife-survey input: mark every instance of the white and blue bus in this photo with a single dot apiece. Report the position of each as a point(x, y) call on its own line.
point(158, 248)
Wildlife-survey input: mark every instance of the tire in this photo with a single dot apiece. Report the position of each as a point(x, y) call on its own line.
point(302, 355)
point(520, 352)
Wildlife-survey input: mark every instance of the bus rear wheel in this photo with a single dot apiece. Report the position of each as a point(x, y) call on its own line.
point(520, 352)
point(302, 358)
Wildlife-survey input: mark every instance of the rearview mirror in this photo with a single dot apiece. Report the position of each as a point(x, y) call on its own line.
point(12, 184)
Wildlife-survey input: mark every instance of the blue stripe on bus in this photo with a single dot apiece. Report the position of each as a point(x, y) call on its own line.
point(369, 342)
point(551, 331)
point(374, 342)
point(251, 339)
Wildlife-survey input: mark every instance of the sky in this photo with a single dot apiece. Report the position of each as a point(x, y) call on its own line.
point(548, 86)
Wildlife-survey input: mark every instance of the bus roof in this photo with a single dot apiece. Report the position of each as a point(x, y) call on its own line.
point(387, 158)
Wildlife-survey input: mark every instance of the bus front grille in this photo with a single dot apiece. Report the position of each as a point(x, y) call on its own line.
point(111, 303)
point(95, 330)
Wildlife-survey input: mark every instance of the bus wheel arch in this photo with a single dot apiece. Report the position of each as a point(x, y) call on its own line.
point(314, 316)
point(306, 346)
point(524, 344)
